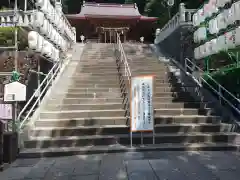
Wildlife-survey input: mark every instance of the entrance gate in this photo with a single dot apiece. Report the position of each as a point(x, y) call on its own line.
point(109, 35)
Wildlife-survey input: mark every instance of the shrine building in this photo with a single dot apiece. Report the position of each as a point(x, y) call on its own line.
point(101, 22)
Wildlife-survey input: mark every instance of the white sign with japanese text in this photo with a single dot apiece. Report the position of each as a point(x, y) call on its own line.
point(142, 118)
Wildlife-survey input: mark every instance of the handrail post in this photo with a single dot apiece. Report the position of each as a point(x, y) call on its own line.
point(182, 11)
point(220, 94)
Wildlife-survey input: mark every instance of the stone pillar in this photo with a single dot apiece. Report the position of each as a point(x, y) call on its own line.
point(182, 11)
point(58, 7)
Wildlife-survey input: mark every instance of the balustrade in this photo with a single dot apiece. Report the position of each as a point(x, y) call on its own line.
point(183, 17)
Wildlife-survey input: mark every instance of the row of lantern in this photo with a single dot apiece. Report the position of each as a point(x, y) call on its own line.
point(56, 18)
point(220, 22)
point(42, 25)
point(213, 7)
point(38, 44)
point(229, 40)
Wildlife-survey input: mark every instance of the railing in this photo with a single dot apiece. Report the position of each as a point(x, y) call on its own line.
point(126, 73)
point(34, 102)
point(184, 16)
point(222, 93)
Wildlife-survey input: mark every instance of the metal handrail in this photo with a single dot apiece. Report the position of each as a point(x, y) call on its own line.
point(124, 60)
point(39, 91)
point(127, 73)
point(219, 91)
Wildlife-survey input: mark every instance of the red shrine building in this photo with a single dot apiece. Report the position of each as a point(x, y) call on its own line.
point(101, 22)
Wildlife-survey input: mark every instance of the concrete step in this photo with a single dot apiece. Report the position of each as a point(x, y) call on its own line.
point(82, 113)
point(74, 150)
point(85, 100)
point(123, 139)
point(176, 112)
point(67, 122)
point(124, 129)
point(84, 106)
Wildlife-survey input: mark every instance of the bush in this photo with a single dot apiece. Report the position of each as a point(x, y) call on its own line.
point(7, 38)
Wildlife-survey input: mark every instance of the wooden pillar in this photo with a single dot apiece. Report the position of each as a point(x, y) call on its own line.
point(105, 38)
point(125, 36)
point(110, 34)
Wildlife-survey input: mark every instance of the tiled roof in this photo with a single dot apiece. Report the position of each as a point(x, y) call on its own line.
point(104, 9)
point(107, 10)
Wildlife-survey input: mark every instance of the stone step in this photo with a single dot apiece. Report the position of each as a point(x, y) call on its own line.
point(82, 113)
point(92, 90)
point(179, 105)
point(169, 119)
point(91, 95)
point(176, 112)
point(97, 70)
point(85, 100)
point(95, 80)
point(97, 85)
point(135, 68)
point(81, 122)
point(74, 122)
point(74, 150)
point(123, 139)
point(124, 129)
point(90, 77)
point(85, 106)
point(100, 74)
point(97, 67)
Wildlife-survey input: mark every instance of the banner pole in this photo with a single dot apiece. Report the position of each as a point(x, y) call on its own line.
point(131, 138)
point(141, 138)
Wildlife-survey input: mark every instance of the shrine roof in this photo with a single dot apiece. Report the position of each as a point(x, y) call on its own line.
point(107, 10)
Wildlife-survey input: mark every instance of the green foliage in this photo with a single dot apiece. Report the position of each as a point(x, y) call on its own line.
point(7, 38)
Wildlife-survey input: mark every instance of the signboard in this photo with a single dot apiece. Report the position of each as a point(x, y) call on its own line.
point(14, 91)
point(142, 117)
point(6, 111)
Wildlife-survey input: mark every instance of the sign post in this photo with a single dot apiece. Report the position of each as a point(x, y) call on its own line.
point(142, 116)
point(14, 92)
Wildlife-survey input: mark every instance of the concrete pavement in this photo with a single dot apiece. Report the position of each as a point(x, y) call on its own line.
point(129, 166)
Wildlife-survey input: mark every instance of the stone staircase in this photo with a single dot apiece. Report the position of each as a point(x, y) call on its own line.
point(86, 112)
point(181, 122)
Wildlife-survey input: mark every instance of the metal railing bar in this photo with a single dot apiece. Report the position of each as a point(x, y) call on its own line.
point(188, 60)
point(38, 89)
point(39, 97)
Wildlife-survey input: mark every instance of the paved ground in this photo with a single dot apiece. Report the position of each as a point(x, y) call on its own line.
point(130, 166)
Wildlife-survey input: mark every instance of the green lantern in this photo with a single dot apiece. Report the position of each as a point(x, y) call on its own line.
point(15, 76)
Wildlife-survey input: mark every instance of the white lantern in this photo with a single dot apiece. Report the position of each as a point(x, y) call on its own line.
point(237, 36)
point(47, 49)
point(43, 5)
point(221, 45)
point(230, 39)
point(201, 15)
point(214, 46)
point(196, 53)
point(33, 40)
point(38, 19)
point(45, 27)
